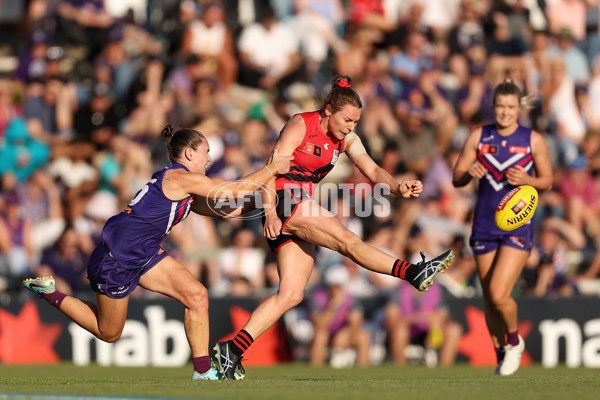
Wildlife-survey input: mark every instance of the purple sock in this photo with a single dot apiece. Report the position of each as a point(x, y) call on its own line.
point(499, 354)
point(513, 338)
point(201, 364)
point(55, 298)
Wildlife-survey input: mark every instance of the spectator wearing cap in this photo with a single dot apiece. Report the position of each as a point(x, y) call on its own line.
point(574, 58)
point(338, 320)
point(567, 14)
point(32, 63)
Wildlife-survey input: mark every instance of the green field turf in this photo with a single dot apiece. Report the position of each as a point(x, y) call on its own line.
point(300, 381)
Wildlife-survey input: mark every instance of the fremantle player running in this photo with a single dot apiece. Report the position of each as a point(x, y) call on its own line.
point(502, 155)
point(298, 222)
point(130, 253)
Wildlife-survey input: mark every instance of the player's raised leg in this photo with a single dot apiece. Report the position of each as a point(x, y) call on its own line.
point(315, 224)
point(104, 320)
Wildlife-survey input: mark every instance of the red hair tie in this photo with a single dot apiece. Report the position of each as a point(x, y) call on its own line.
point(343, 83)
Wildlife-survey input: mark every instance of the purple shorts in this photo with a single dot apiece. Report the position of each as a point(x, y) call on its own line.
point(482, 243)
point(108, 277)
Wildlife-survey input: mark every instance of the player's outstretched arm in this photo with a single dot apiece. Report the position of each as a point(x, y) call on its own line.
point(376, 174)
point(200, 184)
point(223, 208)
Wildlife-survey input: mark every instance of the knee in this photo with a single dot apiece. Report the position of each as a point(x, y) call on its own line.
point(498, 297)
point(110, 335)
point(196, 297)
point(291, 298)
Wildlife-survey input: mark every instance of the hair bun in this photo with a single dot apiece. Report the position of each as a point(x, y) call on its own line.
point(342, 81)
point(167, 131)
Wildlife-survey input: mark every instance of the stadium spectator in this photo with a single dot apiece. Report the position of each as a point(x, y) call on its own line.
point(208, 37)
point(269, 54)
point(568, 14)
point(240, 266)
point(67, 261)
point(576, 62)
point(413, 318)
point(16, 240)
point(339, 323)
point(547, 271)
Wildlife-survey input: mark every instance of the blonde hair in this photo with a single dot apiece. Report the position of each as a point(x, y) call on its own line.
point(509, 87)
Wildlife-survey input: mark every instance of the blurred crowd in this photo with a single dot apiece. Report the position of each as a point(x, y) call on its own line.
point(87, 85)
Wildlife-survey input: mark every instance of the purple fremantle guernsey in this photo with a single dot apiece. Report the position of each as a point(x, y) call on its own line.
point(134, 236)
point(498, 154)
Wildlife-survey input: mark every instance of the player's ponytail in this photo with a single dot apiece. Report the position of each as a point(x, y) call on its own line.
point(181, 139)
point(341, 94)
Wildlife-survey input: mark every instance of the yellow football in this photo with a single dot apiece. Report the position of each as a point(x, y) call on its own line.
point(516, 207)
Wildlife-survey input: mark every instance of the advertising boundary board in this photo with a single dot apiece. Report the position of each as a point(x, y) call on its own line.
point(556, 331)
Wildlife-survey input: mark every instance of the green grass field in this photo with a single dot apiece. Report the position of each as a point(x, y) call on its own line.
point(300, 381)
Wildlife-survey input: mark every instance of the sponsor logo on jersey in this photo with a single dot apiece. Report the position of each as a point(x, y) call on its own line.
point(334, 158)
point(311, 148)
point(487, 138)
point(518, 149)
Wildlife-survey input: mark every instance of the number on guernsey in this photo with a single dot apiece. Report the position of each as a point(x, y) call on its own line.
point(141, 193)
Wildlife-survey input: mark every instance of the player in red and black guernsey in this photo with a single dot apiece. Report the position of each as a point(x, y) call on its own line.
point(502, 155)
point(298, 223)
point(130, 253)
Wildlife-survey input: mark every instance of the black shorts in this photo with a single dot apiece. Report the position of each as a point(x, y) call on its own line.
point(287, 201)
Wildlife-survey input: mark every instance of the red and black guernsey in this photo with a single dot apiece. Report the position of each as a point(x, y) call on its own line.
point(313, 159)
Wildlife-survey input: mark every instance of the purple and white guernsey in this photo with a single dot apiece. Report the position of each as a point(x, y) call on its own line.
point(498, 154)
point(134, 236)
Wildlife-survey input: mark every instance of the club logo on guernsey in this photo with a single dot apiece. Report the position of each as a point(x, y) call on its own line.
point(312, 148)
